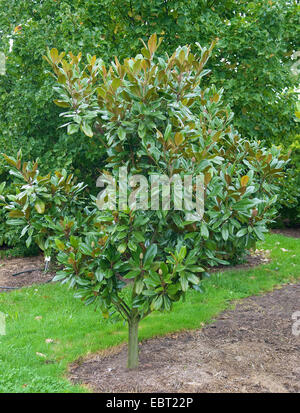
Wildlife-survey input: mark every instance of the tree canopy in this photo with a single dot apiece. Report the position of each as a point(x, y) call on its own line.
point(251, 61)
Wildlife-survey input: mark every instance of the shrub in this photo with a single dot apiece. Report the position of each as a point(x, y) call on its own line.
point(152, 116)
point(7, 236)
point(10, 243)
point(42, 205)
point(289, 197)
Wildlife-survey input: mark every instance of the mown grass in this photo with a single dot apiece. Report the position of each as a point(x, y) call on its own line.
point(28, 363)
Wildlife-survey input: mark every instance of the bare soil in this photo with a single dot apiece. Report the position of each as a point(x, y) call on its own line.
point(288, 232)
point(248, 349)
point(9, 266)
point(256, 257)
point(13, 265)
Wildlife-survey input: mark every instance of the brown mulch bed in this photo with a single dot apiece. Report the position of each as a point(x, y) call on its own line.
point(288, 232)
point(14, 265)
point(9, 266)
point(248, 349)
point(257, 257)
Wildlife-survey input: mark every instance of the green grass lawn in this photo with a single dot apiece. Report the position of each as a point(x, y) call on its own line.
point(30, 362)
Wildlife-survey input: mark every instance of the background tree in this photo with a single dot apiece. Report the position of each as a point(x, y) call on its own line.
point(251, 62)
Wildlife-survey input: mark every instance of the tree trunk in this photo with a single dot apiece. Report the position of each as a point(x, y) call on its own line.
point(133, 343)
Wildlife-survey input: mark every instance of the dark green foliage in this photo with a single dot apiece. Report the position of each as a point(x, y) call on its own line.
point(10, 243)
point(28, 119)
point(251, 62)
point(41, 206)
point(289, 213)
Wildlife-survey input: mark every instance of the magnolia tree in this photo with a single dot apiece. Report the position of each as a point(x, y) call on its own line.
point(137, 254)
